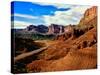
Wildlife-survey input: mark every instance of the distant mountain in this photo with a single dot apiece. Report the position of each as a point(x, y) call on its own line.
point(41, 29)
point(31, 27)
point(55, 29)
point(33, 32)
point(38, 29)
point(52, 29)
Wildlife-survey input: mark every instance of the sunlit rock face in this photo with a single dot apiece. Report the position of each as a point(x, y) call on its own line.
point(92, 12)
point(90, 16)
point(55, 29)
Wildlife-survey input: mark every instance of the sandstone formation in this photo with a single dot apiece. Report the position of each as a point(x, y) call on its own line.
point(55, 29)
point(90, 17)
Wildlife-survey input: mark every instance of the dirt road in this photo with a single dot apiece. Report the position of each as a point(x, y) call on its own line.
point(24, 55)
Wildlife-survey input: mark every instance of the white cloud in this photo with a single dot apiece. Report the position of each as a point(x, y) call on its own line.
point(71, 16)
point(20, 24)
point(24, 16)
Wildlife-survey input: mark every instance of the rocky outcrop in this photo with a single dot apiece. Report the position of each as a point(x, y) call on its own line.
point(91, 12)
point(68, 31)
point(72, 32)
point(55, 29)
point(90, 17)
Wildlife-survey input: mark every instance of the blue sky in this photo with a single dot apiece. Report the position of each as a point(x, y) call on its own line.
point(26, 13)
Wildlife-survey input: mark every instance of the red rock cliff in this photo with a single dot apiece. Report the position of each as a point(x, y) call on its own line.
point(90, 16)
